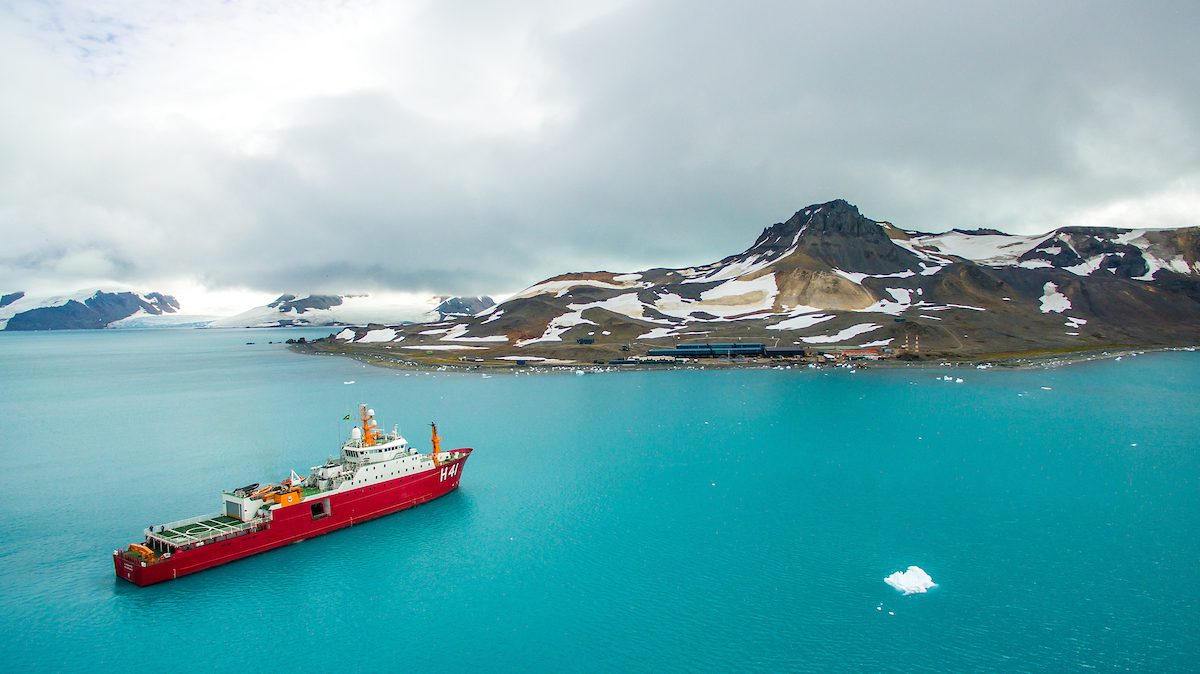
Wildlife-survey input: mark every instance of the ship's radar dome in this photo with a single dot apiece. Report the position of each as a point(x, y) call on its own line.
point(356, 433)
point(370, 413)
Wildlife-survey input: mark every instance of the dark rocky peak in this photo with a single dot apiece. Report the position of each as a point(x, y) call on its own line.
point(832, 218)
point(287, 303)
point(837, 234)
point(837, 218)
point(165, 304)
point(463, 306)
point(8, 299)
point(979, 231)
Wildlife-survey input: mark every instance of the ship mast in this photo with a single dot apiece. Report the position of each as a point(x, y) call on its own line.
point(437, 443)
point(370, 432)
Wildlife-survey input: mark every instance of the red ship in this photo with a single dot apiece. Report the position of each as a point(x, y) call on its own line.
point(377, 474)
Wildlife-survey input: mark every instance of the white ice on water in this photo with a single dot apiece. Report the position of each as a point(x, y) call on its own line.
point(912, 581)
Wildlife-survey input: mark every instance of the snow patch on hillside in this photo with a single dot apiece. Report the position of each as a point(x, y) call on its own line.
point(556, 328)
point(996, 250)
point(374, 336)
point(802, 321)
point(1052, 300)
point(560, 288)
point(843, 335)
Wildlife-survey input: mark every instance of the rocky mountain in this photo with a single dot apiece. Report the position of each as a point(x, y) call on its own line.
point(82, 310)
point(362, 309)
point(831, 277)
point(462, 307)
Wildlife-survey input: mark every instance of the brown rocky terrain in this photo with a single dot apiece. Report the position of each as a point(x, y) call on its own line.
point(829, 278)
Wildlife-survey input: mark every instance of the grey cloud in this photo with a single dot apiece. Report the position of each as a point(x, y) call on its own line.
point(684, 128)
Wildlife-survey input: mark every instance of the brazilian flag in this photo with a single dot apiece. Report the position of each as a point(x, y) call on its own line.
point(346, 418)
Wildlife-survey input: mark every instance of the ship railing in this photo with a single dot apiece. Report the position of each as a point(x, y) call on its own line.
point(212, 531)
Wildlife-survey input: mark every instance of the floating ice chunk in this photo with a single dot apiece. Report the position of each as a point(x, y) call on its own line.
point(348, 382)
point(1047, 388)
point(912, 581)
point(958, 381)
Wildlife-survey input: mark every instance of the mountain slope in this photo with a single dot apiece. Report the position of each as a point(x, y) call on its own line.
point(290, 310)
point(83, 310)
point(829, 276)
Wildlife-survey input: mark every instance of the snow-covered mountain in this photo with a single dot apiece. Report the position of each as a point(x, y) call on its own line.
point(362, 309)
point(92, 308)
point(830, 276)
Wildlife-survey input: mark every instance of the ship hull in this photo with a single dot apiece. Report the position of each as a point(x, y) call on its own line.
point(296, 523)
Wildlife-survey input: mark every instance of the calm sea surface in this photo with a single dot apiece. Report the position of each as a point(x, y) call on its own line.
point(641, 521)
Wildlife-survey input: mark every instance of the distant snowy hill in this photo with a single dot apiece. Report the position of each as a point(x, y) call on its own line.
point(290, 310)
point(831, 276)
point(461, 307)
point(89, 309)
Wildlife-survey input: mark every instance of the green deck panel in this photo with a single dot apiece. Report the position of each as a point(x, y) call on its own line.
point(214, 526)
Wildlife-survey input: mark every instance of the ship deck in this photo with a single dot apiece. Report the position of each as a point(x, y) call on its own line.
point(201, 530)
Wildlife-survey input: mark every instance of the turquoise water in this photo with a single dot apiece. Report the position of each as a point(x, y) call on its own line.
point(641, 521)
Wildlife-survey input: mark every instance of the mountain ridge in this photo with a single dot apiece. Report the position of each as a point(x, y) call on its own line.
point(829, 276)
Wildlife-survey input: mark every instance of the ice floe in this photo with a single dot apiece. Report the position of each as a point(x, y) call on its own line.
point(912, 581)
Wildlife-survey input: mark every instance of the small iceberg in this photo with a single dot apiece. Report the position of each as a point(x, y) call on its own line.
point(912, 581)
point(348, 382)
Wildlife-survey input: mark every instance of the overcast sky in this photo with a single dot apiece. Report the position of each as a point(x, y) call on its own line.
point(473, 147)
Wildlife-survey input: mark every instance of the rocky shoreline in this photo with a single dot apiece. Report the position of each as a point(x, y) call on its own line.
point(1028, 361)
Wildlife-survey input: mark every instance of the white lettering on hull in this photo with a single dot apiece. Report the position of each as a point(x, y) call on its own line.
point(449, 471)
